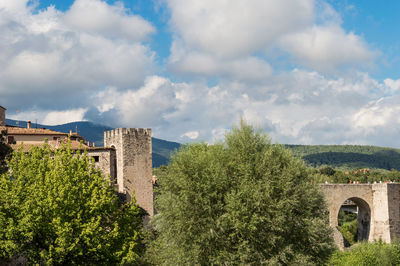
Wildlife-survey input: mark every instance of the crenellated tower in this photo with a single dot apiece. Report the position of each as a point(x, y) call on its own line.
point(134, 164)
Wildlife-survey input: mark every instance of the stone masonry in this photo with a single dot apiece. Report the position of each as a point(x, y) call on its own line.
point(134, 164)
point(105, 159)
point(378, 209)
point(2, 116)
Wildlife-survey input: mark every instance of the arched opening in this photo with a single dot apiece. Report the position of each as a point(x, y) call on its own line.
point(354, 219)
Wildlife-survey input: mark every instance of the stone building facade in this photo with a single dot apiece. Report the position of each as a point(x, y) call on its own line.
point(105, 159)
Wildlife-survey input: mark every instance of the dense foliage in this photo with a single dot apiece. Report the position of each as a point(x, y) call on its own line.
point(56, 208)
point(362, 176)
point(371, 254)
point(5, 151)
point(348, 156)
point(244, 201)
point(348, 226)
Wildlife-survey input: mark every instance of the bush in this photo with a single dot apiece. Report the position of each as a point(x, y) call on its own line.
point(376, 253)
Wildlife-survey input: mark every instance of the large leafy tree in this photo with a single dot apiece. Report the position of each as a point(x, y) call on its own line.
point(244, 201)
point(56, 208)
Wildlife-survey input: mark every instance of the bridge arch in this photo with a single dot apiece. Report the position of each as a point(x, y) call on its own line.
point(362, 196)
point(363, 211)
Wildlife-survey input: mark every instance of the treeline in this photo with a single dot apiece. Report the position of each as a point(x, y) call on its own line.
point(348, 156)
point(355, 176)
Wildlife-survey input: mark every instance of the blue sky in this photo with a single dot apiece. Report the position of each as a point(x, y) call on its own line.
point(306, 71)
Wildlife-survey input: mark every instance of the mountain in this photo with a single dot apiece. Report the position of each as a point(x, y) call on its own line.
point(343, 156)
point(95, 133)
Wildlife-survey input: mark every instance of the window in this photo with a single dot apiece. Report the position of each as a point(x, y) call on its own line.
point(11, 140)
point(96, 159)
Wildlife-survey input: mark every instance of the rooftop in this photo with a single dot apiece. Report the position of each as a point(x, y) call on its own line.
point(11, 130)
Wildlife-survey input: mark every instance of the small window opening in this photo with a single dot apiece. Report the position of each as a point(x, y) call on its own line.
point(11, 140)
point(96, 159)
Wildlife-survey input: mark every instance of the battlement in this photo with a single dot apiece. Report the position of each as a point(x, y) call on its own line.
point(127, 131)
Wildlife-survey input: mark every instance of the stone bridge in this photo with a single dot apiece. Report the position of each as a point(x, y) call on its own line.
point(378, 209)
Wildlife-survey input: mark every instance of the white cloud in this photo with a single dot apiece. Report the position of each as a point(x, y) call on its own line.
point(94, 16)
point(221, 38)
point(393, 85)
point(62, 117)
point(322, 110)
point(232, 28)
point(327, 48)
point(191, 135)
point(50, 117)
point(59, 65)
point(56, 62)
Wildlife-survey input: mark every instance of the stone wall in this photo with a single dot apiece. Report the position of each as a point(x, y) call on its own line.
point(394, 210)
point(2, 116)
point(134, 163)
point(106, 161)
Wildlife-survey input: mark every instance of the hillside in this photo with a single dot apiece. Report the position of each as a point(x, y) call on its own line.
point(338, 156)
point(94, 133)
point(348, 156)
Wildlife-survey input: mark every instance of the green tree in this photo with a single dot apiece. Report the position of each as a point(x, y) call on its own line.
point(5, 151)
point(244, 201)
point(56, 208)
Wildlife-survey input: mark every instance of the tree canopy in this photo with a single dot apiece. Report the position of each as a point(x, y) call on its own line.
point(243, 201)
point(56, 208)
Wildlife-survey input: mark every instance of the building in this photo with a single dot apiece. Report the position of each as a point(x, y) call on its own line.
point(125, 158)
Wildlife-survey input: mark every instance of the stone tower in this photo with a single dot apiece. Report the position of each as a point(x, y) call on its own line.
point(134, 164)
point(2, 116)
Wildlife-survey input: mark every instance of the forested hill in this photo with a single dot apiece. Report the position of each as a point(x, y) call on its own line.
point(348, 156)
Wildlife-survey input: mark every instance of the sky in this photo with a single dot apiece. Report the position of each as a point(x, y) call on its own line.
point(304, 71)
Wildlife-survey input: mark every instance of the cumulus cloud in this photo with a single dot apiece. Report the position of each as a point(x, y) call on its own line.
point(232, 28)
point(327, 48)
point(392, 85)
point(229, 59)
point(49, 117)
point(212, 37)
point(56, 61)
point(98, 17)
point(298, 107)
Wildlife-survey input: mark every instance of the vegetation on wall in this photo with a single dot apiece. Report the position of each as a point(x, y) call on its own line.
point(244, 201)
point(56, 208)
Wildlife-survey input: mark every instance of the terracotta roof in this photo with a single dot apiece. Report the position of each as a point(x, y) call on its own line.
point(75, 145)
point(31, 131)
point(100, 148)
